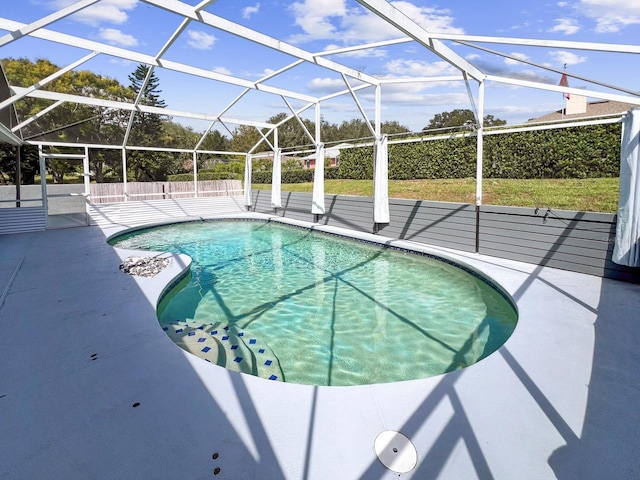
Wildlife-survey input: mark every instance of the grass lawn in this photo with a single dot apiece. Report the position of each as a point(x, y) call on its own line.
point(588, 195)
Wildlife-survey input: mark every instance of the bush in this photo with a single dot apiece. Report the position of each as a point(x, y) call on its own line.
point(576, 152)
point(293, 176)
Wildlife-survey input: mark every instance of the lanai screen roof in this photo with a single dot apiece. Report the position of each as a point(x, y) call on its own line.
point(361, 91)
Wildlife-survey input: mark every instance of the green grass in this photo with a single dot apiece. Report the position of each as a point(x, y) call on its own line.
point(588, 195)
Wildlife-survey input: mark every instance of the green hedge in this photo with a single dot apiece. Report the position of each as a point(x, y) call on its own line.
point(577, 152)
point(294, 176)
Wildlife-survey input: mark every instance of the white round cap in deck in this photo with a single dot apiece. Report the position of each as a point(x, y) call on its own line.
point(395, 451)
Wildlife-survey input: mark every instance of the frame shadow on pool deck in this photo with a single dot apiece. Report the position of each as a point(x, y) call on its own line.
point(90, 386)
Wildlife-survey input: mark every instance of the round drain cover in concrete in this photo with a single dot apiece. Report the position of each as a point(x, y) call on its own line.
point(396, 452)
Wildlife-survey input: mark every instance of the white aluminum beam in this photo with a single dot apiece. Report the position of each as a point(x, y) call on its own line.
point(215, 21)
point(530, 42)
point(8, 136)
point(98, 102)
point(364, 46)
point(36, 116)
point(13, 99)
point(23, 30)
point(635, 100)
point(70, 40)
point(395, 17)
point(304, 127)
point(449, 78)
point(550, 69)
point(362, 112)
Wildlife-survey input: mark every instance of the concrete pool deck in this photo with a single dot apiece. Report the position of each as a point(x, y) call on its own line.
point(92, 388)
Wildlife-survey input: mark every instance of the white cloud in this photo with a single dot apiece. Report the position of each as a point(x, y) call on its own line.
point(107, 11)
point(200, 40)
point(611, 15)
point(561, 57)
point(521, 56)
point(116, 37)
point(331, 19)
point(432, 19)
point(326, 85)
point(415, 99)
point(247, 12)
point(472, 56)
point(222, 70)
point(418, 68)
point(568, 26)
point(313, 16)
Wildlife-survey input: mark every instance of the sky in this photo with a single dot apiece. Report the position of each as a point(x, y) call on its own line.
point(319, 25)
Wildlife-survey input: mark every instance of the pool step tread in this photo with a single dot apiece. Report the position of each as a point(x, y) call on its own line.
point(227, 346)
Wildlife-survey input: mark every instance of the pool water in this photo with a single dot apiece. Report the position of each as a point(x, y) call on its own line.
point(320, 309)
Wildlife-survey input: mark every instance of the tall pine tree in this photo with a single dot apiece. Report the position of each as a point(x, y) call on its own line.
point(147, 129)
point(146, 126)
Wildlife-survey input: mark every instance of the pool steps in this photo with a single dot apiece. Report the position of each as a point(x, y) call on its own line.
point(227, 346)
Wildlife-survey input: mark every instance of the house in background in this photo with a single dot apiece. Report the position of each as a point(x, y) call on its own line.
point(577, 107)
point(333, 153)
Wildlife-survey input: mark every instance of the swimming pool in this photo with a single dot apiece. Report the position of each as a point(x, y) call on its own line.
point(297, 305)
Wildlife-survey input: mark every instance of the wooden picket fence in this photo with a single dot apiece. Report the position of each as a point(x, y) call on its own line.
point(114, 192)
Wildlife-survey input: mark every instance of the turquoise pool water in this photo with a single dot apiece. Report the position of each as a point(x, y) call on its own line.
point(320, 309)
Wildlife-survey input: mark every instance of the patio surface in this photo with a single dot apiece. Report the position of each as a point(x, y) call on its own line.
point(92, 388)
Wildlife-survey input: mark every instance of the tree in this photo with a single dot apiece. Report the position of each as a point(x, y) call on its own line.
point(464, 119)
point(356, 128)
point(147, 130)
point(216, 141)
point(244, 138)
point(69, 121)
point(146, 126)
point(29, 165)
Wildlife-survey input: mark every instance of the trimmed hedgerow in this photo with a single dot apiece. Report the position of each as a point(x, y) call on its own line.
point(577, 152)
point(294, 176)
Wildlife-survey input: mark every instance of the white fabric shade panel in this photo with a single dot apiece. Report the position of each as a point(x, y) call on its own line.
point(381, 181)
point(247, 180)
point(276, 179)
point(317, 202)
point(627, 247)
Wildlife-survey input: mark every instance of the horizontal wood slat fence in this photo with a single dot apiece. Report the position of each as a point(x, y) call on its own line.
point(576, 241)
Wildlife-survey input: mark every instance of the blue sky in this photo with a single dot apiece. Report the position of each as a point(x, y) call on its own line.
point(318, 25)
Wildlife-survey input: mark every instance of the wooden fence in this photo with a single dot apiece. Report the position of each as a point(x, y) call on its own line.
point(114, 192)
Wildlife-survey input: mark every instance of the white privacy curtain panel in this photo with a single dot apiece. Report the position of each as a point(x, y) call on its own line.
point(317, 203)
point(627, 248)
point(381, 181)
point(247, 180)
point(276, 179)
